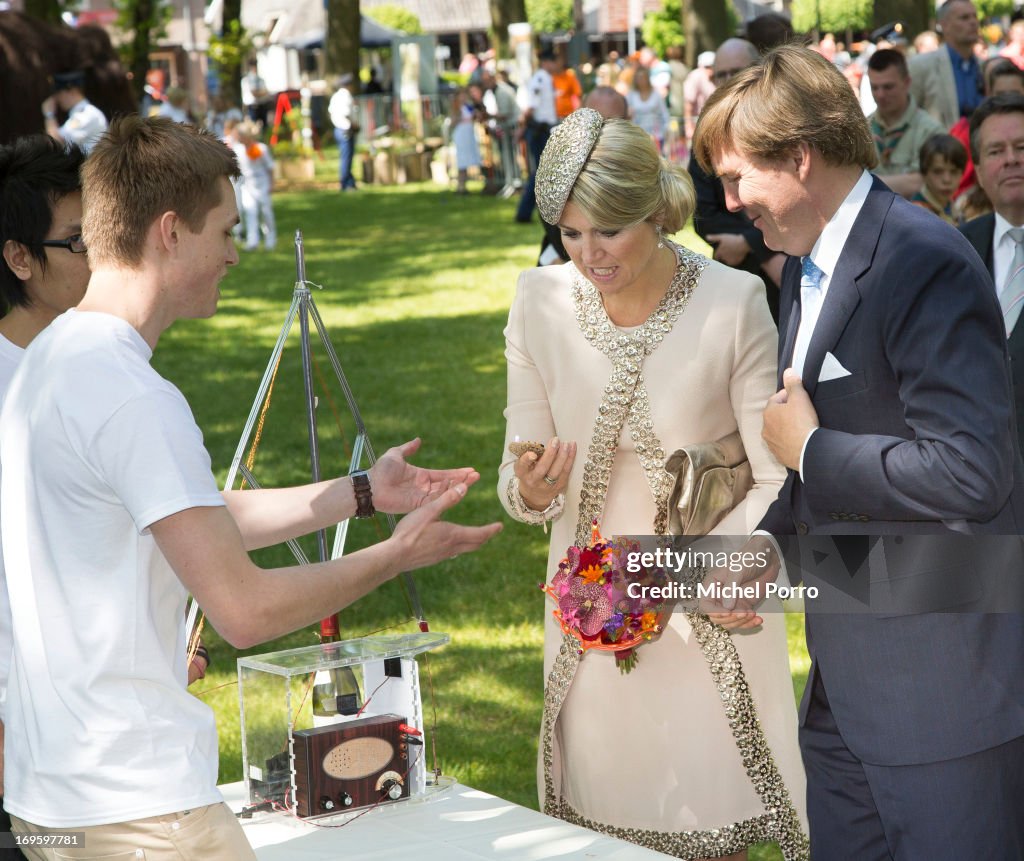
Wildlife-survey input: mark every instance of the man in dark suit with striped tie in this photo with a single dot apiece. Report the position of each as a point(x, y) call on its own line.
point(894, 417)
point(997, 147)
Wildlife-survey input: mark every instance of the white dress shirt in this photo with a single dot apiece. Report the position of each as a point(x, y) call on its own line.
point(1003, 247)
point(825, 254)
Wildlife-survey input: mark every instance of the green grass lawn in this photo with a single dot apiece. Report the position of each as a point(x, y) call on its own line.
point(416, 288)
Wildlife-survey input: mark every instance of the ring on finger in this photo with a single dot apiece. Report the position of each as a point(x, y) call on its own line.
point(548, 479)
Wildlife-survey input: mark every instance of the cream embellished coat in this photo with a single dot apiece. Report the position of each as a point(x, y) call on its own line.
point(650, 756)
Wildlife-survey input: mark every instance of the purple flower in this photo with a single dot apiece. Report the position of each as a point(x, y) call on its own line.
point(587, 605)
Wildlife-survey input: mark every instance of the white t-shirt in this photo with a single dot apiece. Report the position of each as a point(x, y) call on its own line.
point(340, 109)
point(95, 447)
point(256, 173)
point(10, 358)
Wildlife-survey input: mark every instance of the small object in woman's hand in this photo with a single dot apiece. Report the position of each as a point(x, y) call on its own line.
point(520, 448)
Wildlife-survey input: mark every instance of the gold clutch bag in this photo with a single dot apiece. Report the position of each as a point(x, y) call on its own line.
point(711, 478)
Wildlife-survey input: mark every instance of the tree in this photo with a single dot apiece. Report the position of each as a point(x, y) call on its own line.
point(549, 16)
point(230, 48)
point(397, 18)
point(343, 38)
point(706, 24)
point(144, 22)
point(503, 13)
point(663, 29)
point(44, 10)
point(831, 16)
point(915, 14)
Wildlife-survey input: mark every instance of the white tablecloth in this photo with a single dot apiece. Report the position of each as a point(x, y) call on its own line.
point(460, 824)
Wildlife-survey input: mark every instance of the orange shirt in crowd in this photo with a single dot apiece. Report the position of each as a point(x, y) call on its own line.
point(568, 92)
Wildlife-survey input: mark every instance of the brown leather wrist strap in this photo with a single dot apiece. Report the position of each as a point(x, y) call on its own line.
point(364, 495)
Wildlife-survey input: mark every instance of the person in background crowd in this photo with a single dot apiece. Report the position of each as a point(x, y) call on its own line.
point(255, 96)
point(502, 110)
point(256, 185)
point(85, 122)
point(1014, 49)
point(221, 110)
point(647, 107)
point(176, 106)
point(942, 162)
point(926, 41)
point(676, 95)
point(898, 125)
point(607, 74)
point(1000, 75)
point(373, 86)
point(732, 235)
point(467, 150)
point(947, 83)
point(997, 132)
point(568, 91)
point(538, 117)
point(768, 31)
point(697, 88)
point(341, 109)
point(118, 518)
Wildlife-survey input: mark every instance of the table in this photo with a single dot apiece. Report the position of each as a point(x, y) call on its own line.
point(459, 824)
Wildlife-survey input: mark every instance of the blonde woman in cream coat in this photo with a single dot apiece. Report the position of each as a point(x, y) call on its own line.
point(638, 347)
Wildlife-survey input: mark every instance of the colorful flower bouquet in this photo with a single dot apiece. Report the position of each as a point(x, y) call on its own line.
point(596, 604)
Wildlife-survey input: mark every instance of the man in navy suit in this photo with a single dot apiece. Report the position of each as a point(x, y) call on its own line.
point(997, 147)
point(895, 420)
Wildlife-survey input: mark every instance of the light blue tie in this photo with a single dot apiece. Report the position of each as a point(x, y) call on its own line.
point(810, 306)
point(1012, 294)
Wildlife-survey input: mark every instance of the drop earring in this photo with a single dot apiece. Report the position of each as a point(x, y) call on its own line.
point(661, 236)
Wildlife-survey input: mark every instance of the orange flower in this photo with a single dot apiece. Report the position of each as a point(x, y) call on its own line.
point(253, 151)
point(648, 621)
point(593, 574)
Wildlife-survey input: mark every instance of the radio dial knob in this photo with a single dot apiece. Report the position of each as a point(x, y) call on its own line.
point(345, 799)
point(392, 789)
point(326, 803)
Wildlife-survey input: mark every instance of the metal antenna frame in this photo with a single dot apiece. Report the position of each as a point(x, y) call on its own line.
point(303, 307)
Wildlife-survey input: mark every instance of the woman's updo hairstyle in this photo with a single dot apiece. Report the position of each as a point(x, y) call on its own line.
point(625, 181)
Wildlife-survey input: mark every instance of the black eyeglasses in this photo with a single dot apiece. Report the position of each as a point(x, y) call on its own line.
point(74, 244)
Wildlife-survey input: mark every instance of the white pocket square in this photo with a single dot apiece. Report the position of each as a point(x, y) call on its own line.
point(831, 369)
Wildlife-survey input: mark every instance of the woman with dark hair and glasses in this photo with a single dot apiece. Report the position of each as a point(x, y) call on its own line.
point(45, 269)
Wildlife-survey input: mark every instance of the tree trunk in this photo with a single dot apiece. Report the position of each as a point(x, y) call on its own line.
point(706, 24)
point(578, 21)
point(142, 20)
point(44, 10)
point(915, 14)
point(232, 11)
point(503, 13)
point(343, 39)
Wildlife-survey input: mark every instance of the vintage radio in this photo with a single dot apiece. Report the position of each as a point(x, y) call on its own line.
point(353, 764)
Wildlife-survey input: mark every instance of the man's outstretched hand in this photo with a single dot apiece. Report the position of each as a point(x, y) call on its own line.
point(423, 539)
point(399, 487)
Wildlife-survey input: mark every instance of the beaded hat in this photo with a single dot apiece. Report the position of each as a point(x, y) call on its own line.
point(565, 155)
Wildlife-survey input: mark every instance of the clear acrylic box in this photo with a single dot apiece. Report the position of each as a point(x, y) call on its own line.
point(277, 721)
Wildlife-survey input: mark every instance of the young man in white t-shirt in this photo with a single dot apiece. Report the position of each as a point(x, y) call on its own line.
point(109, 507)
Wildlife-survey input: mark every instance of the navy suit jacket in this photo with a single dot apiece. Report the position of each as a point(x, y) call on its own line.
point(916, 445)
